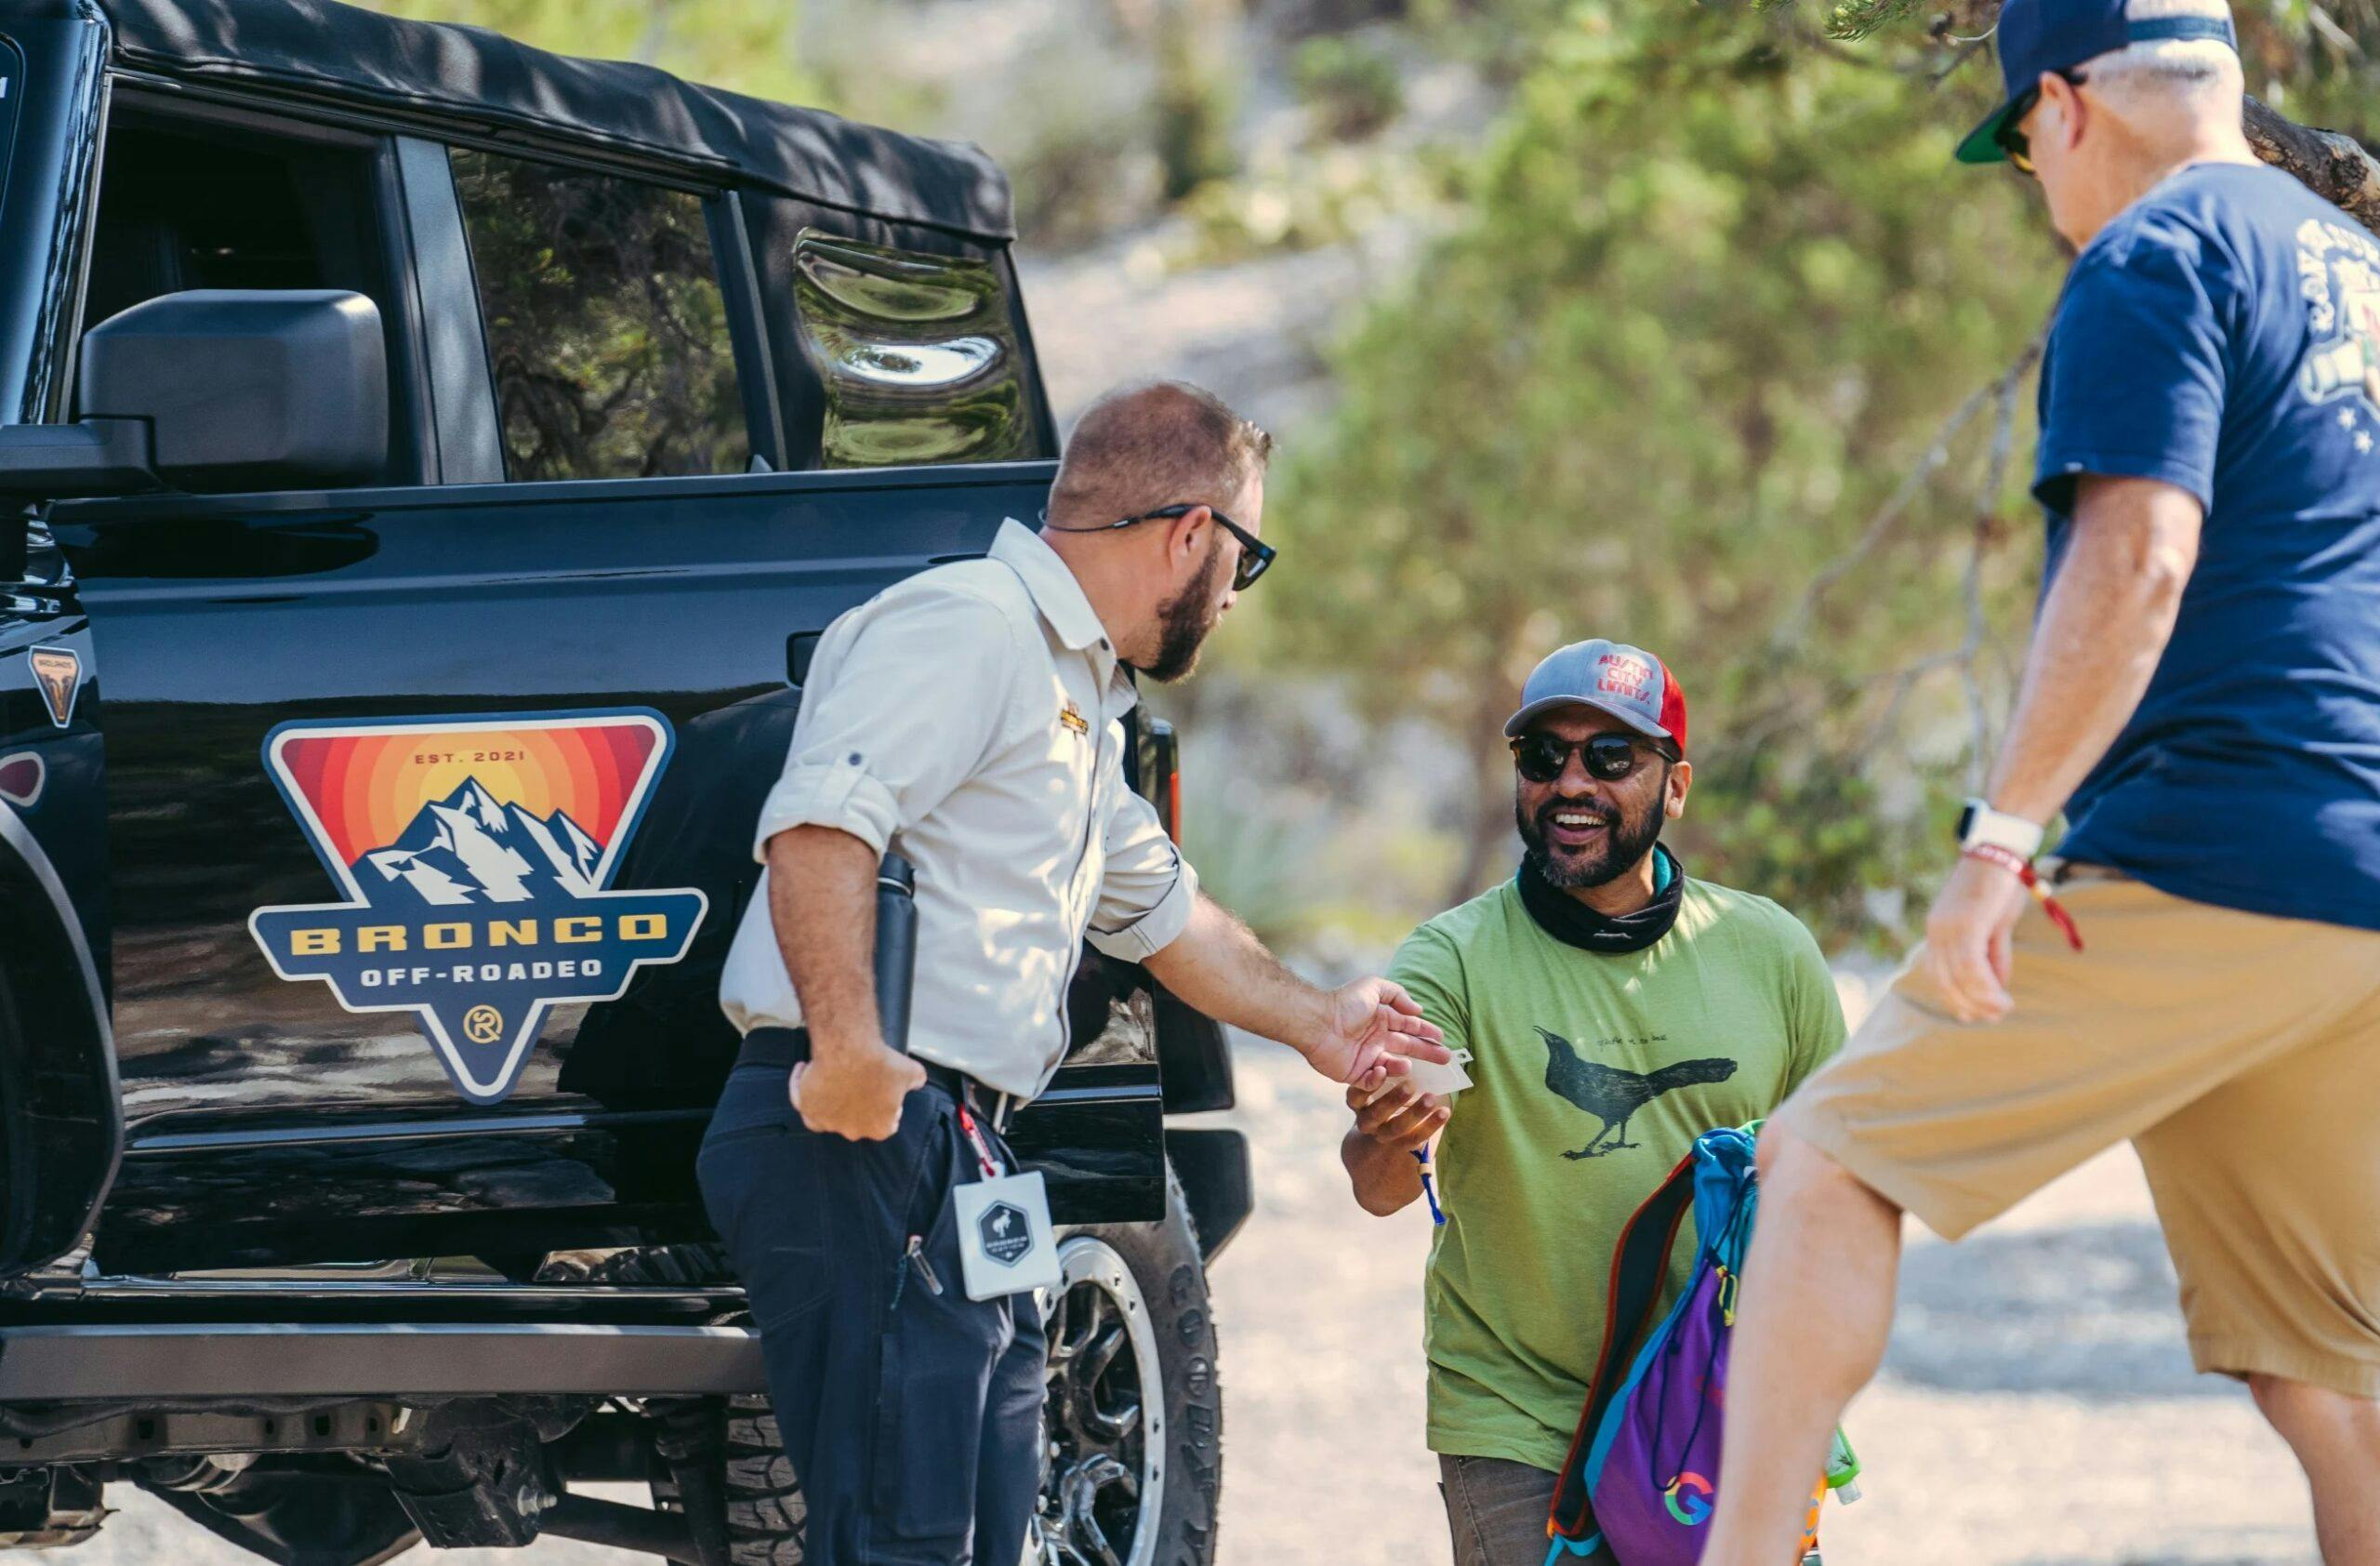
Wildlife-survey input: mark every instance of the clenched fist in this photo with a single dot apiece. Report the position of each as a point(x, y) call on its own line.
point(855, 1091)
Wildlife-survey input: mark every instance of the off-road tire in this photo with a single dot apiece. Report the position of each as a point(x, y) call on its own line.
point(1170, 1277)
point(764, 1505)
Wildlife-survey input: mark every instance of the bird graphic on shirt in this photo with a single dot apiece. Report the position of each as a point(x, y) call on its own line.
point(1612, 1094)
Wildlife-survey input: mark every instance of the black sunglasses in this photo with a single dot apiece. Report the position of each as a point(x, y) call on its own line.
point(1609, 757)
point(1255, 556)
point(2013, 141)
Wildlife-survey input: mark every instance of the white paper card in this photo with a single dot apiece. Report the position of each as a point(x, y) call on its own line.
point(1005, 1246)
point(1441, 1078)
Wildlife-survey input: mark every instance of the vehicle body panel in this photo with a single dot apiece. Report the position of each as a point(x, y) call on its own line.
point(261, 1125)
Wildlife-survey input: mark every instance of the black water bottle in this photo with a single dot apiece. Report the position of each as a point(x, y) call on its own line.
point(897, 947)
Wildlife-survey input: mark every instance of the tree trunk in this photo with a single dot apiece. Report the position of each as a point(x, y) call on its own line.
point(1490, 836)
point(2333, 164)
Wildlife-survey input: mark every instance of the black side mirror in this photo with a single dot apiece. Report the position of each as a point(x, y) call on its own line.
point(215, 389)
point(246, 388)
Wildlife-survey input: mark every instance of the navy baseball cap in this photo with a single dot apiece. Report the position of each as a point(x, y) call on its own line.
point(1628, 683)
point(2039, 35)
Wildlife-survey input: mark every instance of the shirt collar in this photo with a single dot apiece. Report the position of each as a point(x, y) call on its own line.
point(1050, 582)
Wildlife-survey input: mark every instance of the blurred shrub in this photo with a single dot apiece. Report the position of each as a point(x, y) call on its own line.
point(1353, 88)
point(1316, 199)
point(1073, 132)
point(1258, 854)
point(1197, 95)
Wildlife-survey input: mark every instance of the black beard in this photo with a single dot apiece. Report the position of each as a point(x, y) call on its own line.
point(1625, 843)
point(1185, 621)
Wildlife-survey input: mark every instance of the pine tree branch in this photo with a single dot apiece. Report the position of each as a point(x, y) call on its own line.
point(2333, 164)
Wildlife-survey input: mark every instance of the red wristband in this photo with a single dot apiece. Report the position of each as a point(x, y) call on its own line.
point(2019, 865)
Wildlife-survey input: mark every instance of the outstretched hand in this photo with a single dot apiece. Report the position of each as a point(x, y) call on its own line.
point(1373, 1028)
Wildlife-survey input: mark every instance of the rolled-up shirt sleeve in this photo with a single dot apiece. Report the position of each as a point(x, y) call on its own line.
point(908, 695)
point(1149, 890)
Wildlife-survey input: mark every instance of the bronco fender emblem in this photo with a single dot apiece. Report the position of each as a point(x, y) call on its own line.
point(58, 672)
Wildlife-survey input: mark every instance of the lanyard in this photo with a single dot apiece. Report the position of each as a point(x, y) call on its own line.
point(1429, 1188)
point(983, 1148)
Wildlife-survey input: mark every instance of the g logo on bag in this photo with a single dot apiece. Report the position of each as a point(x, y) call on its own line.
point(1006, 1234)
point(1691, 1510)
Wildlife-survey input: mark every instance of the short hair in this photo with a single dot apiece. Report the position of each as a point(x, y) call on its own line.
point(2168, 67)
point(1157, 443)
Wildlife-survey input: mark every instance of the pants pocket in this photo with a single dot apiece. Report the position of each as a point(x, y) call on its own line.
point(935, 1376)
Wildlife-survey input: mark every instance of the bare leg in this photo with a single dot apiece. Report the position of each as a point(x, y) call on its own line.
point(2337, 1441)
point(1816, 1308)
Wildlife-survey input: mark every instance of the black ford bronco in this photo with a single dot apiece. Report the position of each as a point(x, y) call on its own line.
point(426, 464)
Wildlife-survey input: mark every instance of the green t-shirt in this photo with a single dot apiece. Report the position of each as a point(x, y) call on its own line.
point(1592, 1075)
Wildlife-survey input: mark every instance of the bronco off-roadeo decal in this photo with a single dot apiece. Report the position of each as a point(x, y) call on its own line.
point(477, 856)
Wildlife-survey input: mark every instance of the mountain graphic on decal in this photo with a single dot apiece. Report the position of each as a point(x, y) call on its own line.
point(468, 848)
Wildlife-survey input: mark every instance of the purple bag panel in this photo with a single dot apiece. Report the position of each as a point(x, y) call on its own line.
point(1661, 1476)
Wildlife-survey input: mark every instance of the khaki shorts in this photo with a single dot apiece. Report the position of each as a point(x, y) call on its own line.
point(2239, 1054)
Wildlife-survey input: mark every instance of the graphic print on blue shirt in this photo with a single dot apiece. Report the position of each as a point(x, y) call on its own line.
point(2223, 335)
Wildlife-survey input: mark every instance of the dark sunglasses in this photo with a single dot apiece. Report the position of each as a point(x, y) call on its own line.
point(1608, 757)
point(1255, 557)
point(2013, 141)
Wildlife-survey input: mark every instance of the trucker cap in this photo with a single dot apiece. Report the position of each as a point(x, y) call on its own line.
point(1628, 683)
point(2039, 35)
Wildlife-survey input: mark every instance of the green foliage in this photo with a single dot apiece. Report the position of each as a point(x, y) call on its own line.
point(732, 44)
point(1353, 88)
point(1715, 296)
point(1194, 97)
point(606, 331)
point(1861, 18)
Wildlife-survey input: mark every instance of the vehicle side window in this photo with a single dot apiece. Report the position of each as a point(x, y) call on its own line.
point(918, 355)
point(606, 329)
point(197, 204)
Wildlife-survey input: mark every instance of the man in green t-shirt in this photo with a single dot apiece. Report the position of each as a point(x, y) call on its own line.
point(1614, 1009)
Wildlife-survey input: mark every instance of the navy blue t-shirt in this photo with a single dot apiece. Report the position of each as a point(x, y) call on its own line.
point(2224, 335)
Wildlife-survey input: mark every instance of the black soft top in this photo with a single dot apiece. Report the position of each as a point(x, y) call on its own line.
point(342, 53)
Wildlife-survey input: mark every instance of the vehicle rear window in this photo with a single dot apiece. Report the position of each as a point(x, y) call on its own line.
point(606, 331)
point(918, 355)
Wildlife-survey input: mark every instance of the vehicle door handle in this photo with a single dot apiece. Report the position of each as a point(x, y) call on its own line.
point(799, 649)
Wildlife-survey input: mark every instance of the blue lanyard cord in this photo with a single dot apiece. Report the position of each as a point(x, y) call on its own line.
point(1429, 1190)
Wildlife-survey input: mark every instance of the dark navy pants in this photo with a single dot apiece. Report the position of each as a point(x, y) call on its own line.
point(913, 1418)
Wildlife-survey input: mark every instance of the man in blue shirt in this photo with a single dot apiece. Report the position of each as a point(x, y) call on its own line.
point(2203, 701)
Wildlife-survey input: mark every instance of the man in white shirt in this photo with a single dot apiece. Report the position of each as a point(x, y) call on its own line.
point(970, 718)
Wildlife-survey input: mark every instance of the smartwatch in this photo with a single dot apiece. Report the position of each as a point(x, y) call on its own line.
point(1979, 825)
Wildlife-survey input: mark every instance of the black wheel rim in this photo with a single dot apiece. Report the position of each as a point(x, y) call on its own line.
point(1102, 1487)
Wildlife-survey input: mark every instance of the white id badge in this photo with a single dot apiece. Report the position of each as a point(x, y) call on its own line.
point(1005, 1246)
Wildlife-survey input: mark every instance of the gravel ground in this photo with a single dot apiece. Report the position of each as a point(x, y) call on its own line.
point(2037, 1408)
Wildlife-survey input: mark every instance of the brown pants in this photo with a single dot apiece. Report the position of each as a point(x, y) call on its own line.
point(1496, 1509)
point(2239, 1054)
